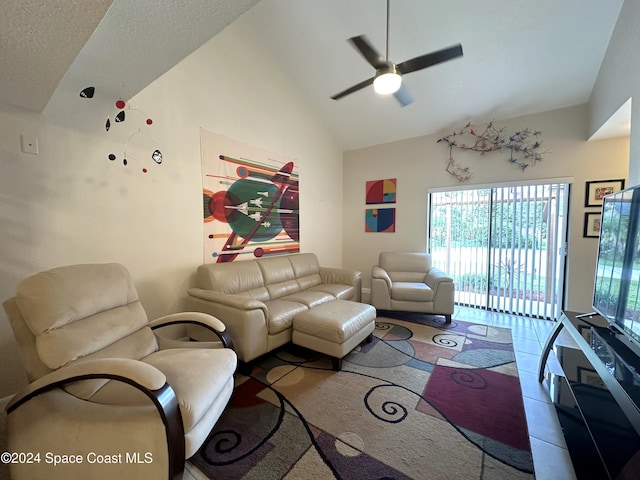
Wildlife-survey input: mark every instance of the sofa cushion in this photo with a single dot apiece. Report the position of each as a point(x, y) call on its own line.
point(84, 293)
point(306, 269)
point(183, 368)
point(260, 293)
point(411, 291)
point(279, 276)
point(281, 314)
point(406, 267)
point(135, 346)
point(276, 269)
point(410, 277)
point(310, 298)
point(309, 281)
point(282, 289)
point(89, 319)
point(230, 278)
point(341, 292)
point(304, 264)
point(405, 262)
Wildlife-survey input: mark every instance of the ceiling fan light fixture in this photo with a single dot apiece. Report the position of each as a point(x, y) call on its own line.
point(387, 81)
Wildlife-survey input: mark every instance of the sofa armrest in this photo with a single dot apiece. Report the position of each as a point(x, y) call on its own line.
point(380, 288)
point(234, 301)
point(436, 276)
point(340, 276)
point(142, 376)
point(444, 291)
point(187, 319)
point(377, 272)
point(245, 318)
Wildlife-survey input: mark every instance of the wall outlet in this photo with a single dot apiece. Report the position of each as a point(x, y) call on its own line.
point(29, 144)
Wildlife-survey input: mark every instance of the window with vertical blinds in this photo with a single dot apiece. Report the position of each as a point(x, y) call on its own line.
point(503, 246)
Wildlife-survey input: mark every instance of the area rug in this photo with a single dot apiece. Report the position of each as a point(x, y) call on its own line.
point(423, 400)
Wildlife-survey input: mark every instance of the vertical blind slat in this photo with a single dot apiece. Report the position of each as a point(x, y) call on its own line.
point(503, 246)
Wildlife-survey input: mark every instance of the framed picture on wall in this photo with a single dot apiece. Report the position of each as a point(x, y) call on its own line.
point(380, 220)
point(381, 191)
point(591, 224)
point(596, 190)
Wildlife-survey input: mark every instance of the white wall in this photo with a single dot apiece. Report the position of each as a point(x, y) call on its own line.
point(70, 204)
point(419, 164)
point(619, 80)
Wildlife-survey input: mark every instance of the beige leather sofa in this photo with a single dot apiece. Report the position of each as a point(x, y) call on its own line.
point(409, 282)
point(258, 299)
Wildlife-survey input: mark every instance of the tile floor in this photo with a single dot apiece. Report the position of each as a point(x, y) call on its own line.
point(550, 456)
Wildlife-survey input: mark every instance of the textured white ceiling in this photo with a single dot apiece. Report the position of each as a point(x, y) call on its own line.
point(520, 56)
point(139, 40)
point(39, 40)
point(52, 46)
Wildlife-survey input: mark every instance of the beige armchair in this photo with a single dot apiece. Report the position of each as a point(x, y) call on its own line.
point(112, 395)
point(409, 282)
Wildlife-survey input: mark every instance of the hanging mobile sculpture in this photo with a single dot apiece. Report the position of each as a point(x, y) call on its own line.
point(120, 117)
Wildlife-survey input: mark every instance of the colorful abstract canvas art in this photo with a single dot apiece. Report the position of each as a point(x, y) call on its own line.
point(381, 191)
point(380, 220)
point(250, 201)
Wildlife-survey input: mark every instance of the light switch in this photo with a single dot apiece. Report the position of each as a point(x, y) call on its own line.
point(29, 144)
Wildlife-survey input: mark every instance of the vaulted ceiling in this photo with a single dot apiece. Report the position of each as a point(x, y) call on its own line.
point(520, 57)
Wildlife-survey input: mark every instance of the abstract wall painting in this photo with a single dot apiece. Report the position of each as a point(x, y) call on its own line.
point(380, 220)
point(381, 191)
point(250, 201)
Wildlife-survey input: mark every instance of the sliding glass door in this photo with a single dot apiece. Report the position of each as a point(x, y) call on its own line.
point(504, 246)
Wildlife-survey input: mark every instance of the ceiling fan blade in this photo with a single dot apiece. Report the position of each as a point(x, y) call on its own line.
point(368, 52)
point(403, 95)
point(430, 59)
point(355, 88)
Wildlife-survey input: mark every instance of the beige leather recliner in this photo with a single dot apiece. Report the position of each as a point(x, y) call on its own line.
point(409, 282)
point(110, 397)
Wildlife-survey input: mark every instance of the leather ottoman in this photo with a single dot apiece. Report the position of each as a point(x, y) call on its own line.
point(334, 328)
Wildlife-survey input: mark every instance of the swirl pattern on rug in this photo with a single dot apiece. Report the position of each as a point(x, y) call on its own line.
point(422, 400)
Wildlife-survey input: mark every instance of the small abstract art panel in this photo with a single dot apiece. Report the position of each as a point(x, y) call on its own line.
point(250, 201)
point(380, 220)
point(381, 191)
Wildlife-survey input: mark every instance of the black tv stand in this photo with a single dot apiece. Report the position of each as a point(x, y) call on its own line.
point(597, 396)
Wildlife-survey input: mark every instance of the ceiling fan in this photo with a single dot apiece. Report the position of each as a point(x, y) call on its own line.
point(388, 77)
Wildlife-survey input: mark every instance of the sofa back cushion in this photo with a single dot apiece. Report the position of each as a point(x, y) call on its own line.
point(279, 277)
point(406, 267)
point(232, 278)
point(267, 278)
point(306, 269)
point(79, 311)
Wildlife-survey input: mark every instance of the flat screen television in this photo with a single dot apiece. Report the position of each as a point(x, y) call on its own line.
point(616, 294)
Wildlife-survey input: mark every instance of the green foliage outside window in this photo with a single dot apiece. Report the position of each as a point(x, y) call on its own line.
point(512, 228)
